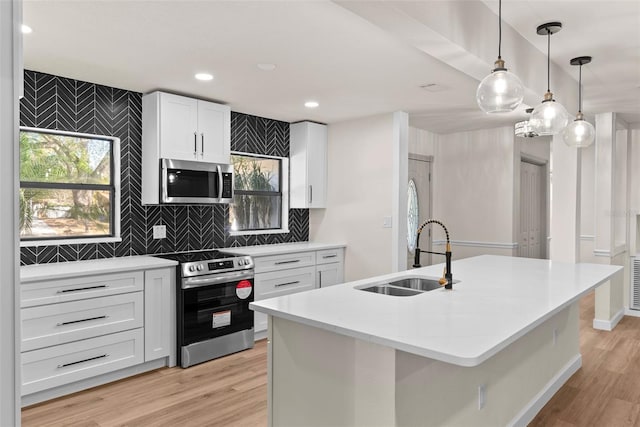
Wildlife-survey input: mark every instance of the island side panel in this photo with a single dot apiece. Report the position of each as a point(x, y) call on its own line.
point(319, 378)
point(518, 380)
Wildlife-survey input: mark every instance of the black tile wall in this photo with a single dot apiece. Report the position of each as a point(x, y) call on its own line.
point(53, 102)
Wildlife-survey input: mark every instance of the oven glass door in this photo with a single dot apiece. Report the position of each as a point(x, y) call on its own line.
point(216, 310)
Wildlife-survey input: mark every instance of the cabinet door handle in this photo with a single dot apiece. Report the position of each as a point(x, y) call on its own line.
point(71, 322)
point(310, 194)
point(202, 144)
point(286, 262)
point(195, 143)
point(82, 361)
point(64, 291)
point(320, 278)
point(287, 283)
point(329, 256)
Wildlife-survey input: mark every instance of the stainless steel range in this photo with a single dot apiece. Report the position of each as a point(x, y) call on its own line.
point(214, 289)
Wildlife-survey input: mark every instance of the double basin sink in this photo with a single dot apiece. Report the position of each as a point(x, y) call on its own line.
point(405, 287)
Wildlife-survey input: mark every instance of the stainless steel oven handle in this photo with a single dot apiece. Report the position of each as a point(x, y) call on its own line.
point(198, 282)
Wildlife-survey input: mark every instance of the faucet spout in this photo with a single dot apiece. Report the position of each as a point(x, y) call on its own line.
point(447, 280)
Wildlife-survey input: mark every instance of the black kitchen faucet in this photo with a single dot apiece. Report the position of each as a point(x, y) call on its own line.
point(447, 280)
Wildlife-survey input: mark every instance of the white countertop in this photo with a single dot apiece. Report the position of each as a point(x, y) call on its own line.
point(282, 248)
point(498, 300)
point(33, 273)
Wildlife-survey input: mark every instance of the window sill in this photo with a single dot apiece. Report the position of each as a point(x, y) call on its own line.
point(256, 232)
point(76, 241)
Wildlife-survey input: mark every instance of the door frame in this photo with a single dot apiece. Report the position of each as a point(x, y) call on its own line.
point(426, 159)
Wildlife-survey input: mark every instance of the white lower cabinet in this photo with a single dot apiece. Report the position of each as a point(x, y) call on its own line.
point(55, 366)
point(278, 275)
point(83, 327)
point(159, 313)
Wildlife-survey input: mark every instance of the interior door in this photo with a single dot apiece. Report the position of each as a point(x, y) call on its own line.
point(532, 210)
point(420, 171)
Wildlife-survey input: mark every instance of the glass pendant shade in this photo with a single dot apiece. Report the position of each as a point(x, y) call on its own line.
point(500, 92)
point(549, 118)
point(579, 133)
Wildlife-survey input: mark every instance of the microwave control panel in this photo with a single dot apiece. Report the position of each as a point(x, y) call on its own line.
point(227, 184)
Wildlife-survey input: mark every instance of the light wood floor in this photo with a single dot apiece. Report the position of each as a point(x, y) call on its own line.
point(232, 391)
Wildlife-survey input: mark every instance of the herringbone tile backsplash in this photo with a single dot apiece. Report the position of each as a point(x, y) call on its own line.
point(52, 102)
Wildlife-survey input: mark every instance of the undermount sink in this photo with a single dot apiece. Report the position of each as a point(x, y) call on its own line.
point(390, 290)
point(405, 287)
point(420, 283)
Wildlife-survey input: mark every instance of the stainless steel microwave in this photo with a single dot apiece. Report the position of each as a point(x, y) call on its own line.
point(183, 181)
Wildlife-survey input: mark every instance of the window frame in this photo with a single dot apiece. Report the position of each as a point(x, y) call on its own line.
point(284, 196)
point(114, 187)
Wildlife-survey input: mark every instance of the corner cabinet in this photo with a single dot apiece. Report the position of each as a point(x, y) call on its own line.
point(181, 128)
point(308, 165)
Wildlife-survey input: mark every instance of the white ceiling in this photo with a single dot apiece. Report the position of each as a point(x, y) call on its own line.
point(356, 58)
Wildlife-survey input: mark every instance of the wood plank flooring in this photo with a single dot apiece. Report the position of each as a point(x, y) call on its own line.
point(231, 391)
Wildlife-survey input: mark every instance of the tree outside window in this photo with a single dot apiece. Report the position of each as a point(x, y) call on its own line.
point(67, 185)
point(257, 201)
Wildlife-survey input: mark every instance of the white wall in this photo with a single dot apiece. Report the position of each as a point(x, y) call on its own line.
point(359, 195)
point(422, 142)
point(10, 67)
point(587, 204)
point(474, 191)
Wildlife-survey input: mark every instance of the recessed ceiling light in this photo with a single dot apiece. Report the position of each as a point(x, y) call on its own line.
point(267, 67)
point(204, 76)
point(311, 104)
point(26, 29)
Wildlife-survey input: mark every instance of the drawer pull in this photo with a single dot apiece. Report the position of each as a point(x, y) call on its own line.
point(288, 283)
point(82, 361)
point(329, 256)
point(291, 261)
point(64, 291)
point(81, 320)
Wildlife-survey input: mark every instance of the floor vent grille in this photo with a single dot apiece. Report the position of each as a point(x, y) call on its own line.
point(635, 285)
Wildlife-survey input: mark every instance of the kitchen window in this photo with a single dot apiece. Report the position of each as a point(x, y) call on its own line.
point(69, 187)
point(260, 202)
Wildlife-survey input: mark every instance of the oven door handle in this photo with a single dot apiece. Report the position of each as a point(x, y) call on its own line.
point(195, 282)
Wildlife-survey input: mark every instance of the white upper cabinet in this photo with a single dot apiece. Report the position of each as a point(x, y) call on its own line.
point(181, 128)
point(308, 165)
point(189, 129)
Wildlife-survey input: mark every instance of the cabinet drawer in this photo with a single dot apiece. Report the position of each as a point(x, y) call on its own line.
point(330, 255)
point(281, 262)
point(76, 288)
point(277, 283)
point(66, 363)
point(55, 324)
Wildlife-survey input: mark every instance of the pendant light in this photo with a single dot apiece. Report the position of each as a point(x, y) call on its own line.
point(501, 91)
point(549, 117)
point(579, 133)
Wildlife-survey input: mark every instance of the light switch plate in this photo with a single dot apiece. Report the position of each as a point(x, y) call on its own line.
point(159, 231)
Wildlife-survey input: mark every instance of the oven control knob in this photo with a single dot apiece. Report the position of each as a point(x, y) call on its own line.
point(200, 267)
point(192, 268)
point(240, 261)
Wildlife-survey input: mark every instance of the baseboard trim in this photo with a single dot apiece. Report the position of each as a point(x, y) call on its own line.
point(259, 335)
point(631, 312)
point(608, 325)
point(526, 415)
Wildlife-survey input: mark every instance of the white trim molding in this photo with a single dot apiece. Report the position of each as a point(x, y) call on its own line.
point(602, 252)
point(495, 245)
point(526, 415)
point(631, 312)
point(587, 237)
point(608, 325)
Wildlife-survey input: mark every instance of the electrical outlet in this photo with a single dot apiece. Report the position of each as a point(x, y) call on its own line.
point(386, 222)
point(482, 391)
point(159, 231)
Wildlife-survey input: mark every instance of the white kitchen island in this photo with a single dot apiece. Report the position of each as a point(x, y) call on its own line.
point(490, 352)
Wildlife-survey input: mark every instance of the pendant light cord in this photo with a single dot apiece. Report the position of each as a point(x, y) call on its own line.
point(580, 90)
point(548, 60)
point(499, 28)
